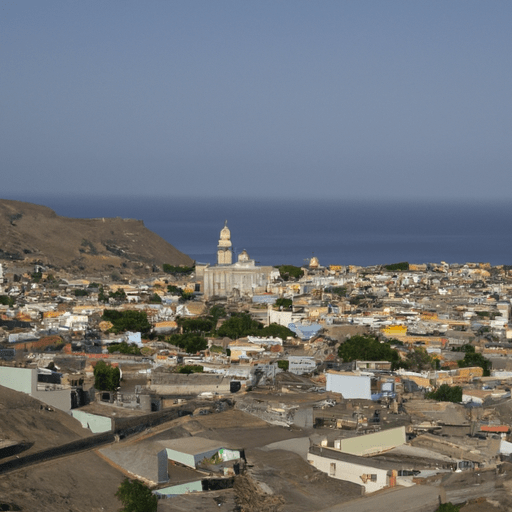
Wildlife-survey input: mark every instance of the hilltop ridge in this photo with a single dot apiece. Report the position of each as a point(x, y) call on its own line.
point(33, 233)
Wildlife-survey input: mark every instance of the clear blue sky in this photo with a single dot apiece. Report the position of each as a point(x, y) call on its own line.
point(290, 99)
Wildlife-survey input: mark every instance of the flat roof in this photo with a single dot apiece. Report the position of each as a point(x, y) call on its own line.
point(191, 445)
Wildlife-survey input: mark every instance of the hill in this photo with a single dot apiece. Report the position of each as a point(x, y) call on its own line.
point(32, 233)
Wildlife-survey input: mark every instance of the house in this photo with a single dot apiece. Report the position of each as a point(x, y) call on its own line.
point(373, 475)
point(350, 385)
point(301, 364)
point(191, 451)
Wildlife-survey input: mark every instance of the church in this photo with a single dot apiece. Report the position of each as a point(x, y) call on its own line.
point(234, 280)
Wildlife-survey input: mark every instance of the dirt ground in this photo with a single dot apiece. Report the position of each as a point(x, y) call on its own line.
point(80, 483)
point(214, 501)
point(300, 485)
point(23, 419)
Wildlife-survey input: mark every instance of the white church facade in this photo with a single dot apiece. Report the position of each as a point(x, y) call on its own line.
point(227, 279)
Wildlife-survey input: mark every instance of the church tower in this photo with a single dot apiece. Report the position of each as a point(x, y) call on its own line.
point(224, 251)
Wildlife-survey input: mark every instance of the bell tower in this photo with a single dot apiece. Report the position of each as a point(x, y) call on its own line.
point(224, 251)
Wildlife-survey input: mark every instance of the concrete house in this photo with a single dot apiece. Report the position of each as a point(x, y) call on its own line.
point(350, 459)
point(191, 451)
point(349, 385)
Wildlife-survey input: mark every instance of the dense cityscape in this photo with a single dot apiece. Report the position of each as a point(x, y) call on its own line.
point(240, 387)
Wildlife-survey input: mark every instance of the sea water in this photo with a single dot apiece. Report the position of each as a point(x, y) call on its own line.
point(338, 232)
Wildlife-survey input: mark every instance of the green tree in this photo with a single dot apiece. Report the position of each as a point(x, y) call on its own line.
point(124, 348)
point(418, 360)
point(195, 324)
point(215, 313)
point(119, 295)
point(189, 342)
point(403, 265)
point(175, 290)
point(446, 393)
point(172, 269)
point(106, 377)
point(276, 330)
point(290, 271)
point(102, 296)
point(368, 348)
point(5, 300)
point(283, 364)
point(238, 326)
point(136, 497)
point(284, 303)
point(341, 291)
point(129, 320)
point(155, 299)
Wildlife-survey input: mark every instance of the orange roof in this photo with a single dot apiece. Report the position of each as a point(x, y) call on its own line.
point(495, 428)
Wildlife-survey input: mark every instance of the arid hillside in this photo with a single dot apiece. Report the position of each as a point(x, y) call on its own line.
point(33, 233)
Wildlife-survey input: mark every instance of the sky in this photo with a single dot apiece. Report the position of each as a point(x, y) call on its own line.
point(251, 99)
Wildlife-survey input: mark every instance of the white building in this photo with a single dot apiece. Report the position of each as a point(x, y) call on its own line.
point(349, 385)
point(241, 279)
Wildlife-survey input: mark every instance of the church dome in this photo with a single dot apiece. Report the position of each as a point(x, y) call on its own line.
point(225, 238)
point(243, 256)
point(313, 262)
point(225, 233)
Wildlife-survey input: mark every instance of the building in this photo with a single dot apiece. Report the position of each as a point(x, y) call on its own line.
point(234, 280)
point(301, 364)
point(350, 385)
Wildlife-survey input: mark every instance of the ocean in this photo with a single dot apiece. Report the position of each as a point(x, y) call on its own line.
point(338, 232)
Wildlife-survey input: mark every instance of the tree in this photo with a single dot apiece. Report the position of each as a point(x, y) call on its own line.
point(189, 342)
point(238, 326)
point(368, 348)
point(446, 393)
point(155, 299)
point(136, 497)
point(106, 377)
point(403, 265)
point(194, 324)
point(418, 360)
point(341, 291)
point(290, 271)
point(172, 269)
point(276, 330)
point(283, 364)
point(124, 348)
point(216, 312)
point(5, 300)
point(283, 303)
point(129, 320)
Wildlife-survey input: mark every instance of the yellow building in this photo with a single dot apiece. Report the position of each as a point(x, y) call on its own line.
point(394, 330)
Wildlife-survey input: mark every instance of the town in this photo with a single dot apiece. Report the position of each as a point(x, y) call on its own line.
point(237, 386)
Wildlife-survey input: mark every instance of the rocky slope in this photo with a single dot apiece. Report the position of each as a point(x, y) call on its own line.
point(33, 233)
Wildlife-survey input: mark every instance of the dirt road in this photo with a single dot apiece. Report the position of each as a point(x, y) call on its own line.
point(419, 498)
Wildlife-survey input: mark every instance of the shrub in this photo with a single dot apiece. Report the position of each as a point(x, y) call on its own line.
point(129, 320)
point(290, 271)
point(403, 265)
point(446, 393)
point(106, 377)
point(368, 348)
point(283, 364)
point(136, 497)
